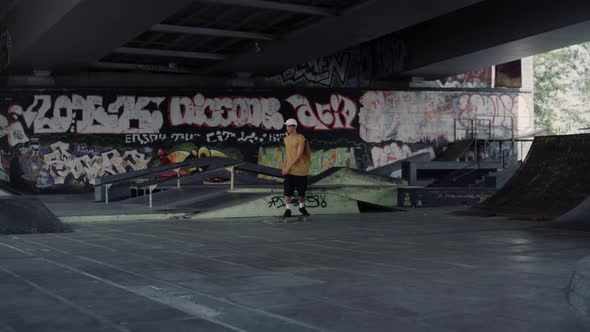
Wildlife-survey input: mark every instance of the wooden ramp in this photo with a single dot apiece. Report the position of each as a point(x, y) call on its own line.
point(553, 179)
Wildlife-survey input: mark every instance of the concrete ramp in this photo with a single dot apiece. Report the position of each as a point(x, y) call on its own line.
point(553, 179)
point(359, 186)
point(577, 218)
point(6, 190)
point(25, 215)
point(342, 176)
point(260, 202)
point(579, 214)
point(337, 190)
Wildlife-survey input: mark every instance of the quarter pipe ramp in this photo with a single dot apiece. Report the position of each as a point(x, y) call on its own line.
point(553, 179)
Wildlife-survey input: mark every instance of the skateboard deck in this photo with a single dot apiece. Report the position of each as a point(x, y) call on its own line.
point(297, 218)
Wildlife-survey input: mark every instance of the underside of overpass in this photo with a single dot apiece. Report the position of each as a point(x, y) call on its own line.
point(208, 42)
point(175, 110)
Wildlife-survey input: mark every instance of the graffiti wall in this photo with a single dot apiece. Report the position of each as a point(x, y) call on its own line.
point(409, 116)
point(321, 159)
point(379, 59)
point(481, 78)
point(65, 140)
point(338, 70)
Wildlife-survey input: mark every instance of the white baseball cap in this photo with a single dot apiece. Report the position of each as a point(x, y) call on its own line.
point(291, 122)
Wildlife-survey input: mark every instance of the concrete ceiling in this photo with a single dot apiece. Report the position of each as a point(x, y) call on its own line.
point(264, 37)
point(494, 32)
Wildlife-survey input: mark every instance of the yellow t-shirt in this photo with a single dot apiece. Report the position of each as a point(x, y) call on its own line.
point(301, 168)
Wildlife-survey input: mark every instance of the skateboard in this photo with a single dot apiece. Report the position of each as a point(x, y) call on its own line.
point(298, 218)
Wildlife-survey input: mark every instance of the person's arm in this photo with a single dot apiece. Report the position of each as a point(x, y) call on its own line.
point(300, 147)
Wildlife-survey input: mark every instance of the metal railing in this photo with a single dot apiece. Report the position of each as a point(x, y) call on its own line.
point(138, 179)
point(146, 178)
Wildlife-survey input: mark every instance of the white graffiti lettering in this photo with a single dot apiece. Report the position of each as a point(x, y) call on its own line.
point(60, 163)
point(14, 131)
point(145, 138)
point(502, 113)
point(3, 174)
point(184, 137)
point(225, 111)
point(220, 136)
point(86, 115)
point(338, 114)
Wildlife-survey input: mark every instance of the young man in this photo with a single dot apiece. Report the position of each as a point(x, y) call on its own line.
point(296, 167)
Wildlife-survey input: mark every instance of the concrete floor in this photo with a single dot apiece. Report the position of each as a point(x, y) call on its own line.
point(422, 270)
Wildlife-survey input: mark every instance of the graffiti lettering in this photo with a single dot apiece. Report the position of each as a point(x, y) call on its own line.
point(312, 201)
point(16, 134)
point(61, 163)
point(85, 115)
point(145, 138)
point(339, 114)
point(389, 153)
point(3, 174)
point(249, 138)
point(413, 117)
point(223, 112)
point(326, 71)
point(321, 160)
point(14, 131)
point(481, 78)
point(243, 137)
point(502, 112)
point(219, 136)
point(184, 137)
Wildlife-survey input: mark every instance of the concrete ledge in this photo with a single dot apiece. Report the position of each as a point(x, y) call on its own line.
point(124, 217)
point(578, 291)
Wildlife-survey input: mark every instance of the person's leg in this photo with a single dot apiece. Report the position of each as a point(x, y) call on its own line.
point(301, 189)
point(289, 190)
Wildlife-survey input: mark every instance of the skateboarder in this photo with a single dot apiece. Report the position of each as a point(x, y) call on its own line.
point(296, 168)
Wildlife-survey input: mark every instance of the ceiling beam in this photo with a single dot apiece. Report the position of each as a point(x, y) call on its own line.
point(272, 5)
point(210, 32)
point(169, 53)
point(140, 67)
point(67, 35)
point(358, 24)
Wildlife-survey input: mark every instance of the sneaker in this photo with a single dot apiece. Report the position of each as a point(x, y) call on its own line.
point(287, 213)
point(304, 212)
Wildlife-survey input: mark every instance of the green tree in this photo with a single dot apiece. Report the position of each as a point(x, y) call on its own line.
point(561, 88)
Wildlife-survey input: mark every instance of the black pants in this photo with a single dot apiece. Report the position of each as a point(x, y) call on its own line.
point(293, 182)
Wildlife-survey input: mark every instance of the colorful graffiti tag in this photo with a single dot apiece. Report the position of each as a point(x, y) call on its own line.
point(62, 163)
point(321, 160)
